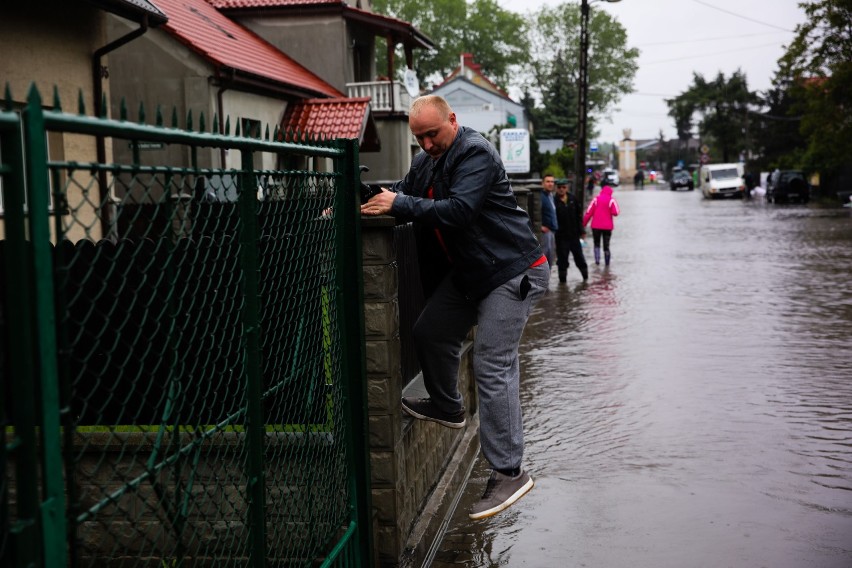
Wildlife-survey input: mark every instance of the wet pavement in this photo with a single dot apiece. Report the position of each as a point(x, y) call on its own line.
point(691, 405)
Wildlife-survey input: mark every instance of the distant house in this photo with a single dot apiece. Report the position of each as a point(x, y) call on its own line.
point(478, 102)
point(64, 44)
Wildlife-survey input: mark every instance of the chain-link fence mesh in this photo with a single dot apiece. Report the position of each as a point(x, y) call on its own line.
point(197, 338)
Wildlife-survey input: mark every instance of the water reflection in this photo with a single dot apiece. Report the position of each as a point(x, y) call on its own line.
point(691, 405)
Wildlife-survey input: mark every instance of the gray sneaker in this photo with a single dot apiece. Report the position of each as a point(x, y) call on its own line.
point(501, 492)
point(423, 409)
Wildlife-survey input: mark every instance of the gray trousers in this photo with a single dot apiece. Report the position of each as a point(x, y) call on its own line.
point(500, 318)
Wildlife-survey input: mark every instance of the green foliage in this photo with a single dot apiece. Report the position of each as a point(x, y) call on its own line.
point(560, 163)
point(818, 69)
point(723, 104)
point(553, 73)
point(778, 143)
point(495, 37)
point(538, 53)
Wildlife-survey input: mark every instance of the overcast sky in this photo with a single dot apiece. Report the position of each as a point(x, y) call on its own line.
point(678, 37)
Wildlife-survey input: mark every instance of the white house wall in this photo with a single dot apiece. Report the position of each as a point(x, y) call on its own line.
point(479, 108)
point(239, 105)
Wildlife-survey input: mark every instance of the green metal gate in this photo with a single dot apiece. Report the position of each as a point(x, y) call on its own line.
point(183, 360)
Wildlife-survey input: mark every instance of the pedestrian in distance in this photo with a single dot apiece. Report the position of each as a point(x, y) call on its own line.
point(569, 216)
point(601, 211)
point(639, 180)
point(549, 224)
point(492, 272)
point(750, 184)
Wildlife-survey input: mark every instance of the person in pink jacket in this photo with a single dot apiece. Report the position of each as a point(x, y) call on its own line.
point(601, 210)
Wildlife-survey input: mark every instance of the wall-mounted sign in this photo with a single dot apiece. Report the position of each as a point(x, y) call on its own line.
point(515, 150)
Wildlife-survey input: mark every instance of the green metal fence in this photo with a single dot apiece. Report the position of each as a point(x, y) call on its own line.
point(182, 359)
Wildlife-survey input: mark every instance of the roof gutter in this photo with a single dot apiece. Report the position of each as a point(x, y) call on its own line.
point(234, 77)
point(99, 73)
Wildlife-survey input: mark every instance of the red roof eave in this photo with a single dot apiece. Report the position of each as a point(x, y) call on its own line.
point(229, 46)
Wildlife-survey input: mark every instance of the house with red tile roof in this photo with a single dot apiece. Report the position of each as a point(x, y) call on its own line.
point(201, 61)
point(336, 39)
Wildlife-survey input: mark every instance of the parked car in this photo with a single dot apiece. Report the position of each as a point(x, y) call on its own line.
point(784, 186)
point(610, 178)
point(681, 178)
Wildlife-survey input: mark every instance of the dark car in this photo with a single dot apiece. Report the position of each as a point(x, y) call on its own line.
point(785, 186)
point(681, 178)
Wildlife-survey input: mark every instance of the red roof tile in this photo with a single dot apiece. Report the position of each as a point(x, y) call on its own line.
point(332, 118)
point(268, 3)
point(225, 43)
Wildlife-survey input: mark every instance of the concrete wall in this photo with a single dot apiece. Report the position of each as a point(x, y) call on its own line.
point(398, 148)
point(408, 458)
point(323, 44)
point(155, 70)
point(47, 45)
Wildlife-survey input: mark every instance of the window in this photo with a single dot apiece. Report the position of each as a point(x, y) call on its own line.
point(54, 148)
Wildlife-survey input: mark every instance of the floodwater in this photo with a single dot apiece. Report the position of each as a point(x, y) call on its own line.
point(691, 405)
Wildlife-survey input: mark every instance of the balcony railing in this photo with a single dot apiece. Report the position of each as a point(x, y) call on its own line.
point(387, 96)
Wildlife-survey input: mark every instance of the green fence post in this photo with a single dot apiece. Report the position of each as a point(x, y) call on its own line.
point(53, 523)
point(255, 429)
point(21, 351)
point(350, 298)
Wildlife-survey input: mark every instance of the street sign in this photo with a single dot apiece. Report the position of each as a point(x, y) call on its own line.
point(593, 146)
point(705, 149)
point(704, 159)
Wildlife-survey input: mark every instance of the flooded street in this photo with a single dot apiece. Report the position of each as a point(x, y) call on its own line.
point(691, 405)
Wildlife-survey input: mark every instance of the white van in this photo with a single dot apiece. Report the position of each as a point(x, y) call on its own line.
point(721, 180)
point(610, 177)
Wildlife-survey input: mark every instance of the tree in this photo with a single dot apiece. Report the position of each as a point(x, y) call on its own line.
point(818, 64)
point(553, 72)
point(724, 108)
point(496, 37)
point(778, 142)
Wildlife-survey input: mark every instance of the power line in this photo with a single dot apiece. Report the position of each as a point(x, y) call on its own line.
point(762, 23)
point(709, 54)
point(664, 95)
point(738, 36)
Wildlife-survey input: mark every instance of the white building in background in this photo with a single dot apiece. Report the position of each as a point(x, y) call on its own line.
point(478, 102)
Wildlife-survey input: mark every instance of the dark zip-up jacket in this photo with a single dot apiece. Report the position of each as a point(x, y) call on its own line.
point(486, 234)
point(570, 218)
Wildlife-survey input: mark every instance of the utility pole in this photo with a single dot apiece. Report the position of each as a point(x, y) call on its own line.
point(583, 104)
point(582, 108)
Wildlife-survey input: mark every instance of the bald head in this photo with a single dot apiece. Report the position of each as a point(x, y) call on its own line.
point(435, 102)
point(433, 124)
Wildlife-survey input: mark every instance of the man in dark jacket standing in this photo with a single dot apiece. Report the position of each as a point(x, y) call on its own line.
point(569, 216)
point(494, 271)
point(549, 225)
